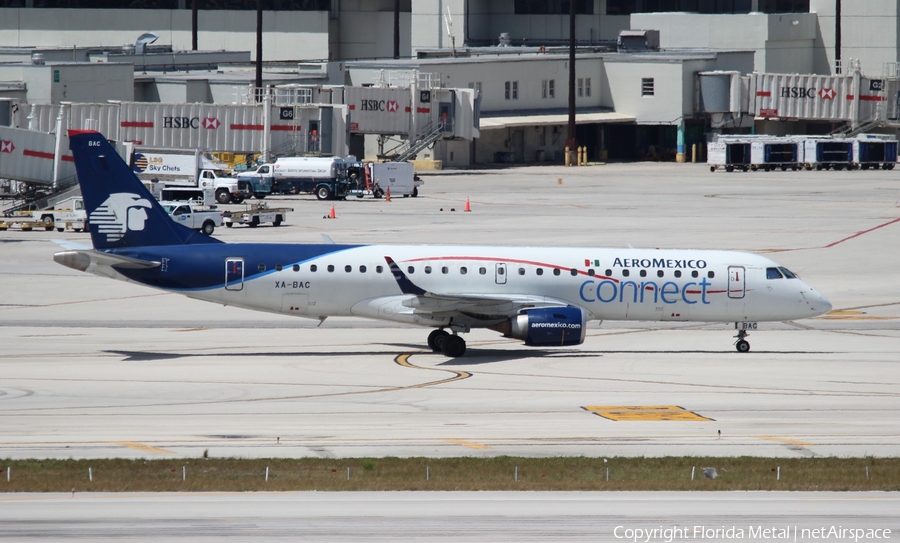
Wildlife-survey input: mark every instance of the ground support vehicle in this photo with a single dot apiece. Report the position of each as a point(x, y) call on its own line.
point(204, 219)
point(176, 174)
point(329, 178)
point(379, 177)
point(256, 215)
point(69, 213)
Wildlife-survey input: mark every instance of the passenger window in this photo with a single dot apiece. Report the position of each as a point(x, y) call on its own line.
point(609, 273)
point(261, 267)
point(331, 267)
point(625, 273)
point(521, 271)
point(313, 267)
point(711, 274)
point(773, 273)
point(482, 271)
point(444, 270)
point(539, 271)
point(643, 273)
point(411, 270)
point(574, 272)
point(463, 270)
point(427, 269)
point(694, 274)
point(296, 267)
point(278, 267)
point(379, 269)
point(362, 269)
point(660, 273)
point(555, 271)
point(677, 273)
point(591, 272)
point(348, 268)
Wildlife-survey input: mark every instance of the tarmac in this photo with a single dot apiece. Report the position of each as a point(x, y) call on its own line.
point(452, 516)
point(95, 368)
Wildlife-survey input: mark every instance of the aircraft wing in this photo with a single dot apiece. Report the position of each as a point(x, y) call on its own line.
point(480, 306)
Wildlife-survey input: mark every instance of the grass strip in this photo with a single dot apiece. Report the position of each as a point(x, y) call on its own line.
point(463, 473)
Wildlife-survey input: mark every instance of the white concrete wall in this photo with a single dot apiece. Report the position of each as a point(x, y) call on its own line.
point(288, 35)
point(869, 32)
point(779, 44)
point(91, 83)
point(366, 34)
point(487, 19)
point(529, 71)
point(668, 102)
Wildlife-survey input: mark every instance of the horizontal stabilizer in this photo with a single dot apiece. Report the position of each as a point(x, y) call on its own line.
point(81, 260)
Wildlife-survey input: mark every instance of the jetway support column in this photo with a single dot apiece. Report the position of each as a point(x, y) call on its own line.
point(680, 155)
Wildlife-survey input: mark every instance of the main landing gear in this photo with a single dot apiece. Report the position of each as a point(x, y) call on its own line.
point(444, 342)
point(742, 345)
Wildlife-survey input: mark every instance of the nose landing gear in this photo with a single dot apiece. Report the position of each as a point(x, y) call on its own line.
point(742, 345)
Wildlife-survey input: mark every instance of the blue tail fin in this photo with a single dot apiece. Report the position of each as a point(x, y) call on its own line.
point(121, 211)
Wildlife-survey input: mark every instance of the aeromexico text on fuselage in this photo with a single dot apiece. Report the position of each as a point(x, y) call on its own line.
point(669, 263)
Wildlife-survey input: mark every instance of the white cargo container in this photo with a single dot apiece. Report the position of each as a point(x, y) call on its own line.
point(773, 153)
point(729, 153)
point(398, 177)
point(874, 151)
point(825, 153)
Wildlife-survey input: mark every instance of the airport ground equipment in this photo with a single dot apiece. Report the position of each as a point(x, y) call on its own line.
point(196, 217)
point(256, 215)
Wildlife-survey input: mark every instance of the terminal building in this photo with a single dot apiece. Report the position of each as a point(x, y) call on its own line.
point(654, 78)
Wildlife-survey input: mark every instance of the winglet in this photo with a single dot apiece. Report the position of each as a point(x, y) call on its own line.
point(406, 286)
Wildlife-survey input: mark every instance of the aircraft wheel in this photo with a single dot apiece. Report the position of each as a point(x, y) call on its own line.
point(454, 346)
point(743, 346)
point(436, 340)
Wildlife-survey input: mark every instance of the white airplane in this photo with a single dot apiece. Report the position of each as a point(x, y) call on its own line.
point(543, 296)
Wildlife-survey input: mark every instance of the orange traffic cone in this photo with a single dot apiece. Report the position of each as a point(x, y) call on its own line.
point(332, 215)
point(387, 196)
point(468, 206)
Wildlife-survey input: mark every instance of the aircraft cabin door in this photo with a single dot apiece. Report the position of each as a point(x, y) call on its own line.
point(500, 273)
point(736, 282)
point(234, 274)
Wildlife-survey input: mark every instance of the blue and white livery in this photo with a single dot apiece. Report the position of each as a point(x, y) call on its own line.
point(543, 296)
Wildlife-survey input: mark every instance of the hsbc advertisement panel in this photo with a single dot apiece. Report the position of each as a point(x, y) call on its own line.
point(815, 97)
point(378, 110)
point(192, 126)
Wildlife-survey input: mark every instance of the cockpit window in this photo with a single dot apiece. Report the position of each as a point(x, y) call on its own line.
point(788, 273)
point(773, 273)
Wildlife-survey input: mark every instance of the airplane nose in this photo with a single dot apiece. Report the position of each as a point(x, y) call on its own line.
point(817, 302)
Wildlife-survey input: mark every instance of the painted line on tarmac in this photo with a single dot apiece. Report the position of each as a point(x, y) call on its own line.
point(141, 447)
point(469, 444)
point(632, 413)
point(458, 375)
point(786, 441)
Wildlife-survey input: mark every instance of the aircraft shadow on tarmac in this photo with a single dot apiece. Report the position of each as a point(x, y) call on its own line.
point(473, 356)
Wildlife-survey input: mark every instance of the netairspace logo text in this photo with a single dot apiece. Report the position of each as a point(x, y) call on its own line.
point(720, 533)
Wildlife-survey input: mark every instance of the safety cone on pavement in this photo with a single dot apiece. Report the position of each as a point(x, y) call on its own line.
point(332, 215)
point(387, 195)
point(468, 205)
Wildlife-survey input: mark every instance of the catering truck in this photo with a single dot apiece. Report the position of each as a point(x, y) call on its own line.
point(176, 174)
point(331, 178)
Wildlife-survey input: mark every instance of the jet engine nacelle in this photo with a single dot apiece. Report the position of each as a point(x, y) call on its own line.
point(549, 327)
